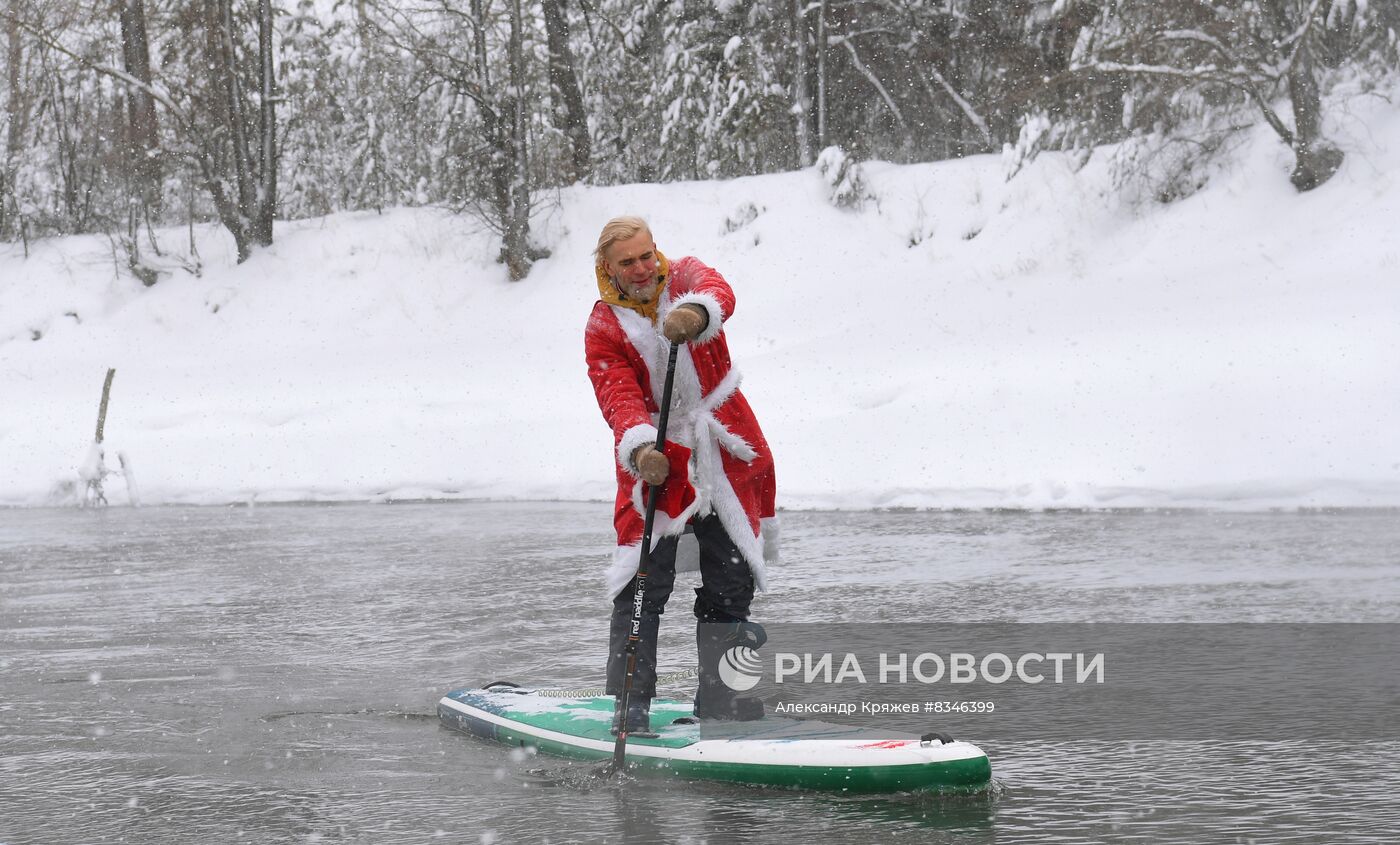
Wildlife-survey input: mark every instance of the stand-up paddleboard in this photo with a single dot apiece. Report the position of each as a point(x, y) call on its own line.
point(774, 751)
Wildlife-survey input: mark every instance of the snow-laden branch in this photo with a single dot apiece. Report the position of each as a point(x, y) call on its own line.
point(158, 94)
point(455, 73)
point(874, 30)
point(875, 81)
point(963, 105)
point(1300, 33)
point(597, 13)
point(1200, 74)
point(1195, 35)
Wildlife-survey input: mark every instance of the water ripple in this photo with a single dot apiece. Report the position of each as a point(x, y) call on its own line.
point(269, 674)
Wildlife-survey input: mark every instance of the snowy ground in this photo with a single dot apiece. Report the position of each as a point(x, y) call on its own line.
point(960, 341)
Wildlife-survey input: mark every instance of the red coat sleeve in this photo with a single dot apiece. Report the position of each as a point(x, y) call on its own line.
point(702, 285)
point(620, 384)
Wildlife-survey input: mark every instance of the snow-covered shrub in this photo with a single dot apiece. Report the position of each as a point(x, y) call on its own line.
point(843, 176)
point(1165, 168)
point(1039, 132)
point(1193, 74)
point(1035, 130)
point(742, 216)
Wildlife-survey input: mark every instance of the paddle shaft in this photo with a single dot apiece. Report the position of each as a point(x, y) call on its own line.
point(643, 562)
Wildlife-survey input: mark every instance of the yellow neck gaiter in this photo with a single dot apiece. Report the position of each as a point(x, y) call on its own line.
point(608, 292)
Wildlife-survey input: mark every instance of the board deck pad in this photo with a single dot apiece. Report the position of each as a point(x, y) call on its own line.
point(775, 750)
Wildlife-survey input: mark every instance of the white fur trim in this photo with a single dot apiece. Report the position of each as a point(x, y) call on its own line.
point(632, 439)
point(625, 558)
point(622, 569)
point(648, 343)
point(725, 503)
point(692, 423)
point(662, 523)
point(711, 306)
point(769, 530)
point(727, 387)
point(705, 422)
point(713, 487)
point(654, 350)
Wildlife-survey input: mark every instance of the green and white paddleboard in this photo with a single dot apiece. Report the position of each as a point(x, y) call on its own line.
point(775, 751)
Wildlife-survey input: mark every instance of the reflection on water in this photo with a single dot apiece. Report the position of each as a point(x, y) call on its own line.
point(268, 674)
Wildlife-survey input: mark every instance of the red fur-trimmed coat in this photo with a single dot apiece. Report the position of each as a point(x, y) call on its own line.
point(731, 467)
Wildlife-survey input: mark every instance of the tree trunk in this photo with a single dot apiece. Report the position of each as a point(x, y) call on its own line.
point(267, 124)
point(566, 88)
point(371, 78)
point(483, 68)
point(821, 74)
point(516, 246)
point(143, 142)
point(802, 101)
point(1316, 159)
point(229, 161)
point(15, 117)
point(496, 130)
point(68, 153)
point(228, 91)
point(244, 190)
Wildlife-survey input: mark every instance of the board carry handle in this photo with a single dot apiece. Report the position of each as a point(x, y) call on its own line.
point(503, 686)
point(943, 739)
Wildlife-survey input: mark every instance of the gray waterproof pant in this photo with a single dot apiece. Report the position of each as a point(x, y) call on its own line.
point(724, 596)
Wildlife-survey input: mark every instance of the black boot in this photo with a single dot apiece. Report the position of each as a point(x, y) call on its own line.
point(714, 699)
point(638, 717)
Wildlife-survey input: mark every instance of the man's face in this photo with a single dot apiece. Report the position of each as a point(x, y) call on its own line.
point(632, 264)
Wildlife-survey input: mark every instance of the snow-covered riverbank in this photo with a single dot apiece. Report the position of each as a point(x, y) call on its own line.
point(958, 341)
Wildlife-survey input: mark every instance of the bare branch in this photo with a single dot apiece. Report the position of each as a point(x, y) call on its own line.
point(963, 105)
point(874, 80)
point(158, 94)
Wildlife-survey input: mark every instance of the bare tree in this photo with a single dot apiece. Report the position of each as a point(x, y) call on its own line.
point(516, 248)
point(480, 104)
point(801, 99)
point(1315, 159)
point(822, 45)
point(16, 114)
point(915, 78)
point(372, 70)
point(1243, 53)
point(564, 83)
point(455, 48)
point(76, 114)
point(244, 187)
point(267, 124)
point(142, 146)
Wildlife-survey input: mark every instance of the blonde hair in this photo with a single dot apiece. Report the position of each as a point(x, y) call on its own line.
point(618, 229)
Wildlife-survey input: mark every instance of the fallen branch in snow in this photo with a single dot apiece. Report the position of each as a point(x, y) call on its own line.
point(94, 469)
point(102, 409)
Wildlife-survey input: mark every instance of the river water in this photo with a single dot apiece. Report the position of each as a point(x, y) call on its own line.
point(268, 674)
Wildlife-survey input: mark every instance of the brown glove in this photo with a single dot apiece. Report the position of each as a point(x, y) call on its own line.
point(685, 323)
point(652, 465)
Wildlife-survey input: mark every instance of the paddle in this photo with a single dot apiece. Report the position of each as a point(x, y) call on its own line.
point(619, 760)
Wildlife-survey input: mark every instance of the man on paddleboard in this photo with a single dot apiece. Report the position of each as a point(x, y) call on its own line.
point(716, 472)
